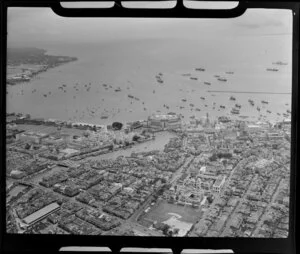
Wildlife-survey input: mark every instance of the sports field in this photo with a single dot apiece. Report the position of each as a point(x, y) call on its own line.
point(163, 211)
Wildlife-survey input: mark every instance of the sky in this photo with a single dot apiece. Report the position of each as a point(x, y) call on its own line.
point(36, 26)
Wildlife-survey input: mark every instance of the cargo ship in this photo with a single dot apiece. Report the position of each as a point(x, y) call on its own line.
point(272, 69)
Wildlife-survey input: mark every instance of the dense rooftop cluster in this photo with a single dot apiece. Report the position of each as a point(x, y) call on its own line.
point(227, 179)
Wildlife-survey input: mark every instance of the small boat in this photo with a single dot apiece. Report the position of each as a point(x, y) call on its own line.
point(238, 105)
point(258, 108)
point(191, 104)
point(184, 100)
point(232, 98)
point(272, 69)
point(234, 111)
point(130, 96)
point(265, 102)
point(279, 63)
point(199, 69)
point(186, 74)
point(198, 109)
point(269, 111)
point(207, 83)
point(229, 72)
point(193, 78)
point(251, 102)
point(203, 98)
point(222, 79)
point(216, 76)
point(222, 106)
point(118, 90)
point(288, 111)
point(278, 114)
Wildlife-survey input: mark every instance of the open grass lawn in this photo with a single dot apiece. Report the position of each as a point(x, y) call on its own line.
point(160, 212)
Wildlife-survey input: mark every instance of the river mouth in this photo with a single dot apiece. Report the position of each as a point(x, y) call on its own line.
point(161, 139)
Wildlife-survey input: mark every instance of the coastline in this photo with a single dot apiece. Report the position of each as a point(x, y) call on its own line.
point(25, 66)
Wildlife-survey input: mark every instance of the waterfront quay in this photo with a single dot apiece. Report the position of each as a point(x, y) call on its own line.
point(154, 177)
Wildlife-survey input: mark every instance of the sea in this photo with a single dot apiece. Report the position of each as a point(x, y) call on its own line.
point(118, 80)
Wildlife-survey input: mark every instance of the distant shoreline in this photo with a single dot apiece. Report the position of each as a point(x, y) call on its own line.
point(220, 91)
point(29, 62)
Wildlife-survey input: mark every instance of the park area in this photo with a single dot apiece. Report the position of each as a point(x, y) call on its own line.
point(176, 216)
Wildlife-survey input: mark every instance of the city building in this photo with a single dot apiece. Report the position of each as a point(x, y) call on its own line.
point(168, 121)
point(219, 183)
point(33, 137)
point(41, 214)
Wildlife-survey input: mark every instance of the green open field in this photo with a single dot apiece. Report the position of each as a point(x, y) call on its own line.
point(160, 212)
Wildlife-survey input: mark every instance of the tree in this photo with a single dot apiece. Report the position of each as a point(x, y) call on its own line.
point(135, 138)
point(27, 146)
point(117, 125)
point(165, 229)
point(175, 231)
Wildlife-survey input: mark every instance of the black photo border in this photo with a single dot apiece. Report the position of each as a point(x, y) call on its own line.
point(11, 243)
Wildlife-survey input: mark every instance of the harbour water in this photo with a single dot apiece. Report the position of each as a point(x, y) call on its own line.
point(130, 66)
